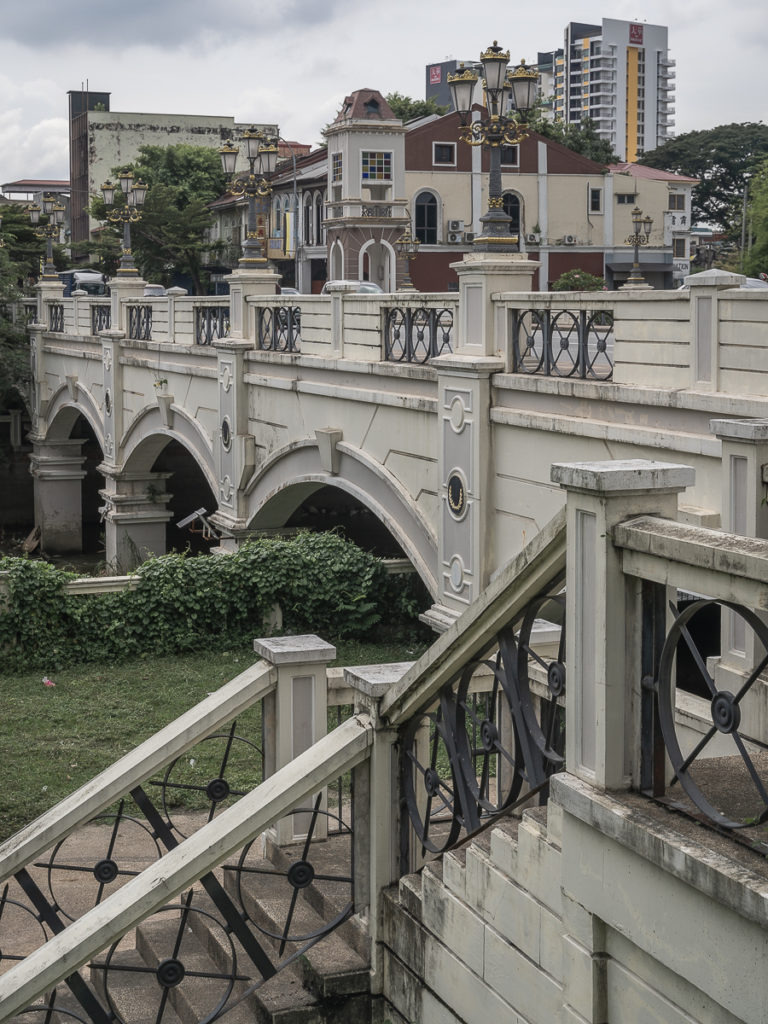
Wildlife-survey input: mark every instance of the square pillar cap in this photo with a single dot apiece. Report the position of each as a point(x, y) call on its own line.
point(375, 680)
point(623, 476)
point(294, 650)
point(753, 430)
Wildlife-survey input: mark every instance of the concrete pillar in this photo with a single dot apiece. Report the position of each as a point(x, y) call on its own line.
point(464, 458)
point(377, 805)
point(480, 327)
point(49, 289)
point(112, 402)
point(705, 325)
point(121, 288)
point(57, 469)
point(134, 515)
point(601, 646)
point(242, 284)
point(234, 448)
point(296, 714)
point(744, 511)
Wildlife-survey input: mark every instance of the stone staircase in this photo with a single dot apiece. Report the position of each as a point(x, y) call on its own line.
point(484, 924)
point(329, 982)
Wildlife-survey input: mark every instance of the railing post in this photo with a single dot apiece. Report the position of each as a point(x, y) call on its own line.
point(744, 476)
point(603, 652)
point(296, 714)
point(481, 276)
point(120, 289)
point(242, 284)
point(173, 294)
point(112, 404)
point(377, 805)
point(705, 325)
point(48, 290)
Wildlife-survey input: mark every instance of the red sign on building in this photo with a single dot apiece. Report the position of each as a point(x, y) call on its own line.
point(435, 75)
point(635, 35)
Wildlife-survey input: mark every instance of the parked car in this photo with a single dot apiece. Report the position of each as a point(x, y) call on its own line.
point(93, 282)
point(360, 286)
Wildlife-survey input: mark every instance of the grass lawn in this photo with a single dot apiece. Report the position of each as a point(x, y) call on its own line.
point(54, 738)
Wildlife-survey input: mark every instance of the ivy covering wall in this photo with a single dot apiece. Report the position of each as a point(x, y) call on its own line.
point(323, 584)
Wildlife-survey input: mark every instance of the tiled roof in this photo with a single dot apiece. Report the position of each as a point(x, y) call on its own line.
point(653, 173)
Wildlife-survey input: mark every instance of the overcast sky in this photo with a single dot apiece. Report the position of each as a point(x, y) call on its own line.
point(293, 62)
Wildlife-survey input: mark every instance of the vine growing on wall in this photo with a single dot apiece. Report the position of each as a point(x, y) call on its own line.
point(323, 584)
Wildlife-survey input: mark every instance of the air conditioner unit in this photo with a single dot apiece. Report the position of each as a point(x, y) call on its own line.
point(455, 237)
point(569, 240)
point(455, 225)
point(532, 239)
point(469, 236)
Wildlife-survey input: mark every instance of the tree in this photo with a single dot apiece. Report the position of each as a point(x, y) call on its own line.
point(170, 239)
point(724, 159)
point(580, 138)
point(19, 261)
point(407, 109)
point(756, 261)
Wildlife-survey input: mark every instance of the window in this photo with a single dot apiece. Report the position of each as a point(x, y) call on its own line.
point(679, 248)
point(512, 209)
point(626, 198)
point(595, 200)
point(510, 155)
point(676, 201)
point(336, 166)
point(444, 153)
point(377, 166)
point(426, 218)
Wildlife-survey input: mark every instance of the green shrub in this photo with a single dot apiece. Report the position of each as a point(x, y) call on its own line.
point(578, 281)
point(322, 583)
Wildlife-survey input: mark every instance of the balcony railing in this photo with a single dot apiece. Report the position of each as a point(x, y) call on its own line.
point(140, 322)
point(416, 334)
point(563, 343)
point(211, 323)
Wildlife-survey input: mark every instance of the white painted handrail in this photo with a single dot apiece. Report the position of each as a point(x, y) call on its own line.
point(138, 765)
point(339, 752)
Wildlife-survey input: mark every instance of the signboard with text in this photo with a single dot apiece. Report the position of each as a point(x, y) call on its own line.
point(435, 74)
point(635, 35)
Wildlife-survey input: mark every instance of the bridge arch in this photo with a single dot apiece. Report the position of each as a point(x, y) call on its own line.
point(64, 408)
point(151, 430)
point(293, 473)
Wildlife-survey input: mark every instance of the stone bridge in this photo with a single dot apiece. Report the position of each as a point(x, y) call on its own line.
point(438, 414)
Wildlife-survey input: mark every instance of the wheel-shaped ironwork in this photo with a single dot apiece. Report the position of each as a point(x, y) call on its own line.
point(49, 1011)
point(548, 729)
point(486, 740)
point(428, 781)
point(599, 345)
point(530, 341)
point(83, 869)
point(699, 776)
point(21, 930)
point(564, 344)
point(170, 966)
point(270, 890)
point(213, 775)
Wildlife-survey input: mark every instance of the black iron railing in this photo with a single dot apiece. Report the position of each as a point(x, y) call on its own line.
point(211, 323)
point(279, 328)
point(563, 343)
point(56, 317)
point(417, 334)
point(140, 323)
point(465, 758)
point(101, 318)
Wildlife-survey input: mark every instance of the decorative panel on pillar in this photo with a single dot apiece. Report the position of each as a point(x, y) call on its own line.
point(228, 374)
point(458, 568)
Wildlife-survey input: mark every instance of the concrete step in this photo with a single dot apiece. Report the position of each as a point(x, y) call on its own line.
point(132, 990)
point(410, 893)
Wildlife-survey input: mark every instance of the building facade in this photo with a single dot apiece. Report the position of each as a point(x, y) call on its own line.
point(101, 139)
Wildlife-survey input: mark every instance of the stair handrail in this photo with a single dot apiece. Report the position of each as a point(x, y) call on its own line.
point(138, 765)
point(340, 751)
point(475, 631)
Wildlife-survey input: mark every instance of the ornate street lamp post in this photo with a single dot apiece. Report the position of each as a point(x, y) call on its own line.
point(641, 228)
point(261, 152)
point(497, 129)
point(408, 247)
point(51, 230)
point(126, 213)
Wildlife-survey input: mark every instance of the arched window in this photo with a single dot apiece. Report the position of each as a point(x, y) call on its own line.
point(308, 240)
point(512, 210)
point(425, 209)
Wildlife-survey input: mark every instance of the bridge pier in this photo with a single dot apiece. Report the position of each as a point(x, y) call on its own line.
point(57, 469)
point(135, 516)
